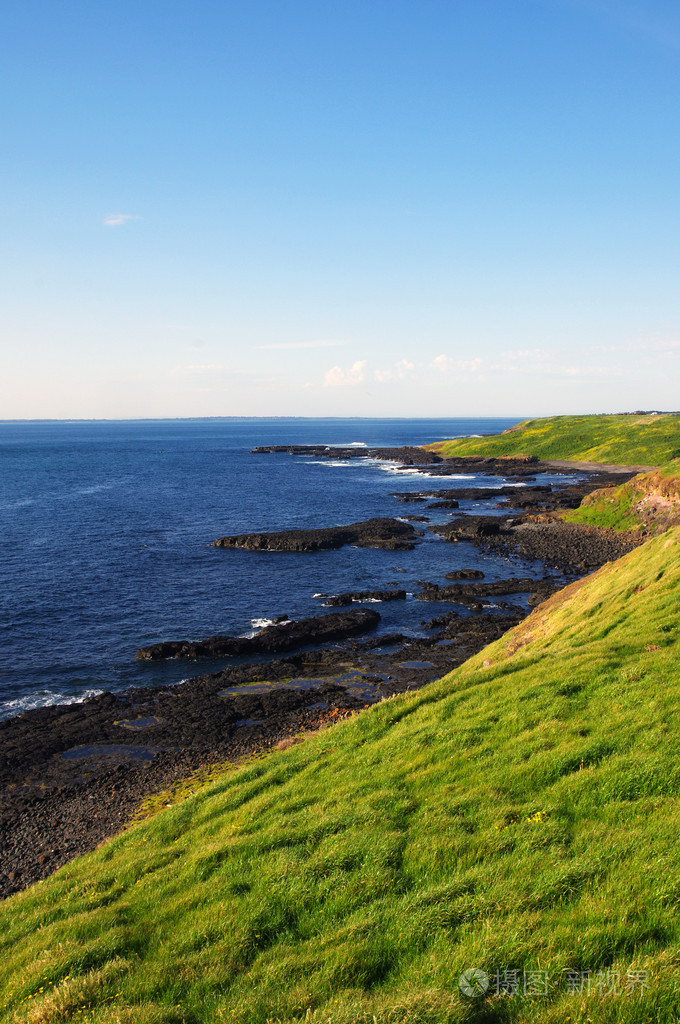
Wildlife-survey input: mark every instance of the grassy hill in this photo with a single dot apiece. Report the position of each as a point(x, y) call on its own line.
point(650, 501)
point(621, 440)
point(521, 814)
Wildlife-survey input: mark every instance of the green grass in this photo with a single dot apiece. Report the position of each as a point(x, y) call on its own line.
point(520, 814)
point(622, 440)
point(641, 502)
point(611, 507)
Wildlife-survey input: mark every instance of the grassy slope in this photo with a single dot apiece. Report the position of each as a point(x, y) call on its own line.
point(623, 440)
point(519, 815)
point(635, 504)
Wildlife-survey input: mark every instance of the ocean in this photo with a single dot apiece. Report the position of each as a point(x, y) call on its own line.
point(105, 532)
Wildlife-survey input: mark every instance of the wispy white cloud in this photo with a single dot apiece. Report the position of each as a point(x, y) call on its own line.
point(443, 364)
point(337, 377)
point(115, 220)
point(302, 344)
point(400, 371)
point(405, 368)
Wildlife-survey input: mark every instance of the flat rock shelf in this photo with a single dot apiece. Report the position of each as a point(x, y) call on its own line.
point(390, 534)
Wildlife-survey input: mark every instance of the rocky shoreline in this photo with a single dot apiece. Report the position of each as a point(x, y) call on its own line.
point(275, 639)
point(73, 775)
point(388, 534)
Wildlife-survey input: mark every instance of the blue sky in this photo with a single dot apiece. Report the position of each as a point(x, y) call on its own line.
point(363, 207)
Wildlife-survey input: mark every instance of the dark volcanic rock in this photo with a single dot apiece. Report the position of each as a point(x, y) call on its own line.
point(445, 503)
point(551, 499)
point(391, 534)
point(365, 595)
point(464, 574)
point(470, 527)
point(284, 636)
point(386, 640)
point(407, 456)
point(457, 493)
point(517, 468)
point(477, 493)
point(54, 807)
point(463, 591)
point(530, 497)
point(560, 545)
point(442, 621)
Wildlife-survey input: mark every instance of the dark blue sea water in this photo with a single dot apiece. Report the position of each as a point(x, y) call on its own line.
point(105, 530)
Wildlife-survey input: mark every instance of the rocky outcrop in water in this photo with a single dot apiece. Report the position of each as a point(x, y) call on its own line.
point(471, 527)
point(464, 591)
point(275, 639)
point(390, 534)
point(463, 493)
point(444, 504)
point(407, 456)
point(365, 595)
point(510, 468)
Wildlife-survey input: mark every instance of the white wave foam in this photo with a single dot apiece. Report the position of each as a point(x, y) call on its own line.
point(261, 623)
point(394, 467)
point(9, 506)
point(329, 462)
point(43, 699)
point(95, 488)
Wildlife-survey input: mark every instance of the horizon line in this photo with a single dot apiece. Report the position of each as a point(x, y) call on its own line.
point(199, 419)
